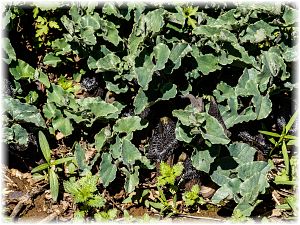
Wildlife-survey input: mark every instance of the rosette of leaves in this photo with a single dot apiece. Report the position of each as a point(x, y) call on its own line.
point(240, 178)
point(16, 114)
point(192, 197)
point(63, 109)
point(123, 155)
point(85, 193)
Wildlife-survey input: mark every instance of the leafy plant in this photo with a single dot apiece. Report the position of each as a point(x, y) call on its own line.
point(85, 192)
point(42, 26)
point(104, 74)
point(284, 139)
point(166, 180)
point(192, 197)
point(50, 166)
point(289, 205)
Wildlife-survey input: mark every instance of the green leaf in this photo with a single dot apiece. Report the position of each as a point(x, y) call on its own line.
point(245, 208)
point(101, 137)
point(108, 170)
point(179, 51)
point(129, 153)
point(116, 148)
point(131, 180)
point(62, 160)
point(53, 180)
point(23, 112)
point(51, 59)
point(128, 124)
point(215, 33)
point(58, 95)
point(250, 192)
point(246, 170)
point(88, 36)
point(43, 78)
point(102, 109)
point(181, 135)
point(22, 71)
point(110, 9)
point(207, 63)
point(40, 167)
point(169, 91)
point(9, 50)
point(90, 22)
point(112, 34)
point(227, 191)
point(79, 154)
point(44, 147)
point(289, 16)
point(20, 134)
point(140, 101)
point(258, 32)
point(63, 125)
point(144, 74)
point(98, 201)
point(154, 20)
point(107, 63)
point(241, 152)
point(50, 111)
point(61, 46)
point(263, 106)
point(161, 53)
point(291, 122)
point(214, 131)
point(202, 159)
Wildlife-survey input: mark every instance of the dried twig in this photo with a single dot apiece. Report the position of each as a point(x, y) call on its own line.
point(55, 214)
point(25, 200)
point(274, 197)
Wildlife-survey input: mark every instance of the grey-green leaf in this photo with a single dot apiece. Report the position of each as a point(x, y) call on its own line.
point(9, 50)
point(51, 60)
point(214, 131)
point(181, 135)
point(130, 153)
point(23, 112)
point(63, 125)
point(80, 157)
point(161, 53)
point(128, 124)
point(263, 106)
point(108, 170)
point(131, 180)
point(140, 101)
point(22, 71)
point(241, 152)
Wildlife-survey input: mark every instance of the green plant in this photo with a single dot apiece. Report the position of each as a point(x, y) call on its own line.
point(166, 181)
point(139, 59)
point(85, 192)
point(105, 216)
point(42, 26)
point(289, 205)
point(192, 197)
point(287, 175)
point(50, 166)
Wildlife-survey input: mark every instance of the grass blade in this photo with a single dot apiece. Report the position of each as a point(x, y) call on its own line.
point(44, 145)
point(291, 122)
point(53, 184)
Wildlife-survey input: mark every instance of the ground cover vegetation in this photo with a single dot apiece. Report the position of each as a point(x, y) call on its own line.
point(138, 112)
